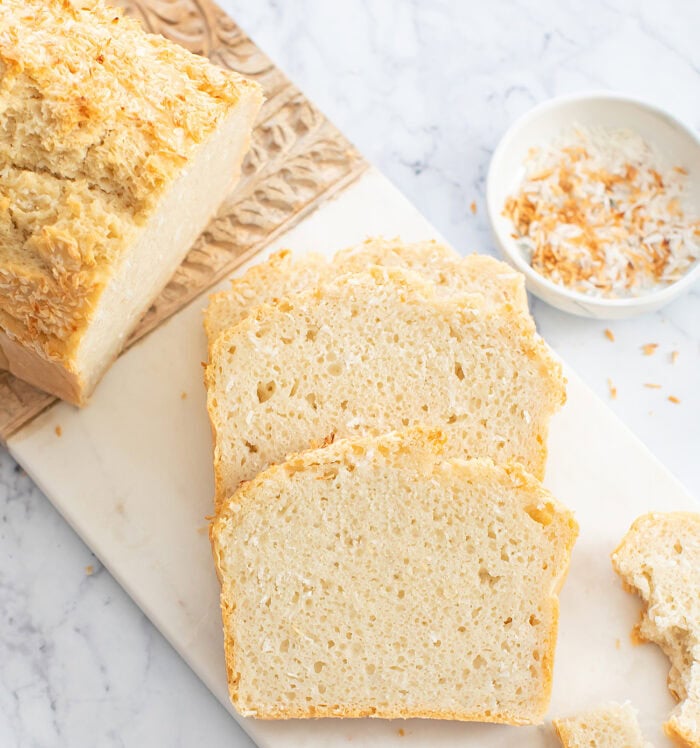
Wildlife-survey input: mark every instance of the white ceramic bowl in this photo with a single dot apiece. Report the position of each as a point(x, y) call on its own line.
point(676, 142)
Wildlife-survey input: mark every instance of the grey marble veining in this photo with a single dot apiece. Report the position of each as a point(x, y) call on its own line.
point(425, 89)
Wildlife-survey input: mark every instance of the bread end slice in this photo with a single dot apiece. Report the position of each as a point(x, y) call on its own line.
point(659, 560)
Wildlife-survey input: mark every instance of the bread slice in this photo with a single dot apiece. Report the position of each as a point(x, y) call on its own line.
point(372, 352)
point(378, 577)
point(659, 559)
point(610, 726)
point(116, 148)
point(283, 274)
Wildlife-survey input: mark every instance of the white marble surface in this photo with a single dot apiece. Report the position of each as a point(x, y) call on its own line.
point(424, 89)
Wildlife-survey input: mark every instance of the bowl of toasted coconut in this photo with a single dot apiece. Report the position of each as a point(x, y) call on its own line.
point(596, 199)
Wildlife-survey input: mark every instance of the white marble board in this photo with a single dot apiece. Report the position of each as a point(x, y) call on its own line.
point(132, 474)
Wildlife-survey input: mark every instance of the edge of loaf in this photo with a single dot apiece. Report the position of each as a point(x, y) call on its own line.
point(117, 147)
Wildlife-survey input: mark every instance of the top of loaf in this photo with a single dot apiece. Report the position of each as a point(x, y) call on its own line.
point(97, 118)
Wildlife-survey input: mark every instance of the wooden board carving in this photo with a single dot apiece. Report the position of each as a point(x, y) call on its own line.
point(297, 161)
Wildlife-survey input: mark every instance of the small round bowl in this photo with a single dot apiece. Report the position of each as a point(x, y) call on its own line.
point(674, 141)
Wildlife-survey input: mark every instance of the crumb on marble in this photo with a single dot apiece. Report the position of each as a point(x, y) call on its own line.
point(673, 399)
point(59, 431)
point(89, 570)
point(183, 396)
point(652, 385)
point(202, 530)
point(402, 732)
point(649, 349)
point(674, 356)
point(612, 389)
point(610, 335)
point(618, 644)
point(472, 207)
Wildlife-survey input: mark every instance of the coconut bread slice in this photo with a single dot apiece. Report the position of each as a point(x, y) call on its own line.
point(373, 352)
point(380, 577)
point(283, 274)
point(609, 726)
point(659, 559)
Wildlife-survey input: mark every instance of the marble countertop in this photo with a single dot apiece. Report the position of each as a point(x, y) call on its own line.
point(425, 89)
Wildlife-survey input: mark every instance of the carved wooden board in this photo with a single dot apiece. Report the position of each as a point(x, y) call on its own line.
point(297, 161)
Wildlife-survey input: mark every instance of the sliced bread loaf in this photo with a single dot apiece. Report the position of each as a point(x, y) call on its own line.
point(659, 559)
point(116, 148)
point(378, 577)
point(371, 352)
point(610, 726)
point(284, 274)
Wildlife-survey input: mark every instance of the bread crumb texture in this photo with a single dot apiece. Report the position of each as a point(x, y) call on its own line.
point(96, 119)
point(609, 726)
point(335, 563)
point(283, 274)
point(374, 351)
point(659, 558)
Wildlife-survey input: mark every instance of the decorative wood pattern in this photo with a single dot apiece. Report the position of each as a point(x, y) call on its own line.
point(297, 161)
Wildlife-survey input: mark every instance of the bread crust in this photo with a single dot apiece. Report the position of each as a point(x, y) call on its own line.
point(54, 376)
point(107, 117)
point(434, 442)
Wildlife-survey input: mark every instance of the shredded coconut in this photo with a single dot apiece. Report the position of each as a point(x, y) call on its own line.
point(599, 211)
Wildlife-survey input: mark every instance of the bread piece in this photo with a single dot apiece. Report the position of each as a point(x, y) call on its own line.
point(659, 559)
point(282, 275)
point(377, 577)
point(610, 726)
point(116, 147)
point(371, 352)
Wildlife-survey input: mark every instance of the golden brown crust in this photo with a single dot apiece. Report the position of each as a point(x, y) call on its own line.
point(679, 737)
point(30, 366)
point(100, 118)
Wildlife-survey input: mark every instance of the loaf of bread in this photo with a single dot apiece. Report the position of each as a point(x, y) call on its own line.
point(116, 147)
point(610, 726)
point(379, 577)
point(659, 559)
point(376, 351)
point(283, 275)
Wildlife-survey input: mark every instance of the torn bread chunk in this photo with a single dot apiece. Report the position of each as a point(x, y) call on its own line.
point(372, 352)
point(609, 726)
point(283, 274)
point(335, 564)
point(116, 148)
point(659, 559)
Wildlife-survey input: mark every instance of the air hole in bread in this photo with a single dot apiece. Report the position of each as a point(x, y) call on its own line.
point(266, 390)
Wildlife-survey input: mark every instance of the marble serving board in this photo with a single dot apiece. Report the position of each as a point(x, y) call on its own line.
point(132, 474)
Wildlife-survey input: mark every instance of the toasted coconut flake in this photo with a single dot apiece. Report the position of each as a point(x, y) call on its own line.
point(600, 212)
point(610, 335)
point(612, 389)
point(674, 356)
point(652, 385)
point(649, 349)
point(674, 399)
